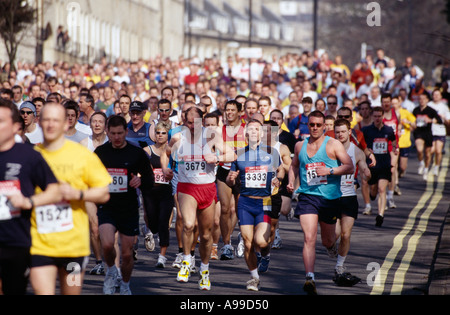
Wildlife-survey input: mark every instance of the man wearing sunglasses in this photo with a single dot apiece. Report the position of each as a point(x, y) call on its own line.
point(32, 129)
point(319, 161)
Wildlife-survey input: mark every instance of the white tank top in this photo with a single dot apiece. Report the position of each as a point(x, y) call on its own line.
point(192, 167)
point(90, 143)
point(348, 181)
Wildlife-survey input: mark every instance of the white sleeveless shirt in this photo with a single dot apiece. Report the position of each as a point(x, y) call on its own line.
point(348, 181)
point(192, 167)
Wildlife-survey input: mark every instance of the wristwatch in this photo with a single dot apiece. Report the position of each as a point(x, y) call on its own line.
point(331, 171)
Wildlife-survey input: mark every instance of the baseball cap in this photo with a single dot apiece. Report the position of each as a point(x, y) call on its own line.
point(29, 105)
point(137, 106)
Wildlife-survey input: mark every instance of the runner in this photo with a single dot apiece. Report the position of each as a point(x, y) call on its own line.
point(124, 105)
point(348, 211)
point(233, 133)
point(377, 137)
point(196, 189)
point(32, 130)
point(161, 202)
point(258, 168)
point(425, 116)
point(125, 162)
point(60, 232)
point(407, 122)
point(439, 129)
point(138, 130)
point(22, 170)
point(391, 120)
point(99, 137)
point(319, 190)
point(73, 112)
point(299, 125)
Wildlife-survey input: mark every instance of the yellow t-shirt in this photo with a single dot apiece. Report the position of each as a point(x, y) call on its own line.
point(405, 133)
point(63, 230)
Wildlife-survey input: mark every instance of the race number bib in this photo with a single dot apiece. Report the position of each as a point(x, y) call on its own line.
point(312, 179)
point(194, 167)
point(8, 188)
point(159, 176)
point(421, 121)
point(348, 180)
point(380, 146)
point(119, 180)
point(256, 176)
point(54, 218)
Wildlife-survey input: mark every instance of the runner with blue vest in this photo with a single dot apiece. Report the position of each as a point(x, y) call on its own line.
point(258, 167)
point(138, 129)
point(319, 161)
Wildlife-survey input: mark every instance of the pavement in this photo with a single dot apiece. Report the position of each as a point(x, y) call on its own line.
point(440, 269)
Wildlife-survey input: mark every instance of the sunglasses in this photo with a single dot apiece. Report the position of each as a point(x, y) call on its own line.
point(161, 133)
point(344, 116)
point(312, 125)
point(164, 110)
point(332, 103)
point(26, 112)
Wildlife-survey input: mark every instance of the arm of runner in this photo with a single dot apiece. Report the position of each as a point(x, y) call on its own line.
point(231, 178)
point(342, 156)
point(369, 154)
point(285, 157)
point(293, 169)
point(49, 196)
point(95, 194)
point(362, 165)
point(135, 181)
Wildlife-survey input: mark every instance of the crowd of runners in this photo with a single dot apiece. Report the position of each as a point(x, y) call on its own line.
point(85, 150)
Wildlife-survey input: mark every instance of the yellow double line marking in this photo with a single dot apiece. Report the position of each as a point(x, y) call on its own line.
point(399, 276)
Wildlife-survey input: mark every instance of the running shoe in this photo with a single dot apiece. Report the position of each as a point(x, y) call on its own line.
point(344, 279)
point(332, 251)
point(184, 273)
point(109, 284)
point(149, 242)
point(161, 262)
point(425, 174)
point(241, 247)
point(98, 269)
point(379, 220)
point(227, 252)
point(214, 255)
point(253, 284)
point(367, 210)
point(204, 284)
point(436, 170)
point(391, 203)
point(263, 265)
point(125, 289)
point(178, 261)
point(397, 191)
point(421, 168)
point(277, 241)
point(310, 286)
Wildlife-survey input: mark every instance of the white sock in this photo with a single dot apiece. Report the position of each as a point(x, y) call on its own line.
point(203, 267)
point(187, 258)
point(340, 260)
point(310, 274)
point(390, 194)
point(112, 270)
point(254, 273)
